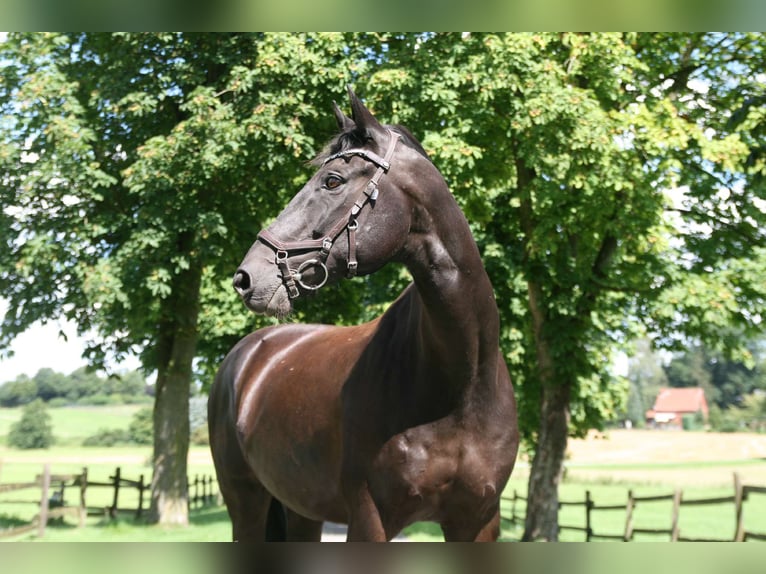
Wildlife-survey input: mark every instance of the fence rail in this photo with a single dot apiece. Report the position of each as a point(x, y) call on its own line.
point(201, 492)
point(741, 494)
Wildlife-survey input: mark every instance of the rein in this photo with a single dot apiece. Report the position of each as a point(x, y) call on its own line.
point(283, 250)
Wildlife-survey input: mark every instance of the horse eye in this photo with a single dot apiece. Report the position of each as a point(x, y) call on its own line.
point(332, 182)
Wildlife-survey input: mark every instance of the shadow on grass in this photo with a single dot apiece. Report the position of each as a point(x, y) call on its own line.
point(209, 515)
point(205, 516)
point(61, 524)
point(8, 521)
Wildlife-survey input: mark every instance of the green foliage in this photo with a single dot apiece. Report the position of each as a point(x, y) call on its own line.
point(171, 151)
point(108, 437)
point(20, 391)
point(726, 381)
point(131, 159)
point(83, 386)
point(647, 377)
point(750, 415)
point(693, 422)
point(560, 148)
point(34, 429)
point(141, 429)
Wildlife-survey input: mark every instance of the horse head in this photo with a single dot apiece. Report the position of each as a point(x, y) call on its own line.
point(350, 218)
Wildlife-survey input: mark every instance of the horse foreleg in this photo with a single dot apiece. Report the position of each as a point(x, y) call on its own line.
point(248, 504)
point(464, 531)
point(302, 529)
point(364, 523)
point(491, 531)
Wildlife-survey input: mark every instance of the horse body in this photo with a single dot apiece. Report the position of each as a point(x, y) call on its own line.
point(409, 417)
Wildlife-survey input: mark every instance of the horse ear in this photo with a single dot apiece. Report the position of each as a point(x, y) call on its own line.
point(361, 115)
point(345, 123)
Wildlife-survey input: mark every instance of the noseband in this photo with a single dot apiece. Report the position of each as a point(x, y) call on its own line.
point(283, 250)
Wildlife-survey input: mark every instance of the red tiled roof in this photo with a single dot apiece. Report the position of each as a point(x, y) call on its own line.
point(688, 400)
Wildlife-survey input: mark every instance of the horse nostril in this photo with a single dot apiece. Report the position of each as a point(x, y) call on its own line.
point(242, 281)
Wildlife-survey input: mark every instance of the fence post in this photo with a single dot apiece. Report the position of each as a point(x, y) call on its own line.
point(739, 531)
point(113, 509)
point(141, 488)
point(83, 489)
point(513, 507)
point(44, 500)
point(674, 531)
point(588, 507)
point(629, 517)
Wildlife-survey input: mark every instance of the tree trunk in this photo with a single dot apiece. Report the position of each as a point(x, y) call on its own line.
point(542, 518)
point(177, 343)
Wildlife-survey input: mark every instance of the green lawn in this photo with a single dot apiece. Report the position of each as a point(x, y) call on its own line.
point(711, 521)
point(72, 425)
point(212, 523)
point(209, 524)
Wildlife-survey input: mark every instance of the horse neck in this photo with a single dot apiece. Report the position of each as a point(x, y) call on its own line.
point(458, 324)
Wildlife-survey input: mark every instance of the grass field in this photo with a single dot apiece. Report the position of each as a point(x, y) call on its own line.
point(648, 462)
point(72, 425)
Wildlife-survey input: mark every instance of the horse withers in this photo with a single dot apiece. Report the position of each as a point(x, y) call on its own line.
point(410, 417)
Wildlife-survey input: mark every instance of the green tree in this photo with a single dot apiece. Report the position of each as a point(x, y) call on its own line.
point(21, 391)
point(33, 429)
point(140, 166)
point(647, 377)
point(137, 170)
point(131, 385)
point(562, 149)
point(726, 381)
point(50, 384)
point(83, 382)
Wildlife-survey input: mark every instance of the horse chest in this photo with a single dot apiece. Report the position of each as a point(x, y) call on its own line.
point(426, 469)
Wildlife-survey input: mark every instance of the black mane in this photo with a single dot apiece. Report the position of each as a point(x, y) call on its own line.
point(355, 138)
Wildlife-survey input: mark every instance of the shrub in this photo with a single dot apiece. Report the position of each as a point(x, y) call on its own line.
point(141, 427)
point(97, 400)
point(693, 422)
point(108, 437)
point(33, 429)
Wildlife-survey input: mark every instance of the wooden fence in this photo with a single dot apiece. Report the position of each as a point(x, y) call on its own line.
point(52, 501)
point(740, 496)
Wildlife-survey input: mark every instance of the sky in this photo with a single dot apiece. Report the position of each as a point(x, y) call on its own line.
point(41, 346)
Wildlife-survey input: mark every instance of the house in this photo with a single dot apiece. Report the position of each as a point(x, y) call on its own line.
point(671, 405)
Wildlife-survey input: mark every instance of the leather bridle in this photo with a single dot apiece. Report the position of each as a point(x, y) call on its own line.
point(283, 250)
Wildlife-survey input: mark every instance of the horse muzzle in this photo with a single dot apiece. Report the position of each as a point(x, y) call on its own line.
point(271, 300)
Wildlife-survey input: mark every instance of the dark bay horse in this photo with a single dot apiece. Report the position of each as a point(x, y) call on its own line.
point(410, 417)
